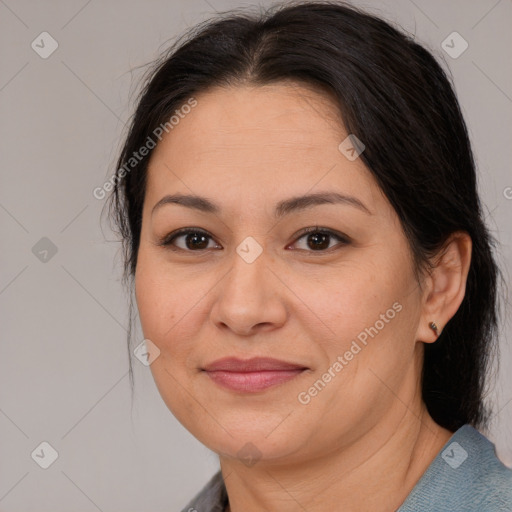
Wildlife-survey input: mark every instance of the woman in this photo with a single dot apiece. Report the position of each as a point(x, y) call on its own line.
point(316, 286)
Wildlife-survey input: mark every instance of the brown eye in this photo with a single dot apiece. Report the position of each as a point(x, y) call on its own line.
point(193, 240)
point(319, 239)
point(196, 240)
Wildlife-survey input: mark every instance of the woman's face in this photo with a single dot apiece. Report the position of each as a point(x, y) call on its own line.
point(343, 312)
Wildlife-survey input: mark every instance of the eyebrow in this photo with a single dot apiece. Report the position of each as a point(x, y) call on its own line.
point(282, 208)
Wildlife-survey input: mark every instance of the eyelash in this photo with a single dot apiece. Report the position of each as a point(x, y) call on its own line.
point(167, 241)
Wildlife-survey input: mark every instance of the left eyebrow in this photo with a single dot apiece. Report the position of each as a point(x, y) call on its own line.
point(282, 208)
point(307, 201)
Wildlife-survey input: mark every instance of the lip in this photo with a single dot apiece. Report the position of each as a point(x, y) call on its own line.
point(252, 375)
point(255, 364)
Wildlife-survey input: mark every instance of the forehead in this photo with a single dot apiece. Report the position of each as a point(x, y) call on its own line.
point(256, 141)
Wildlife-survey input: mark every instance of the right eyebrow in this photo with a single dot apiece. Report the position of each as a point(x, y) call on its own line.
point(190, 201)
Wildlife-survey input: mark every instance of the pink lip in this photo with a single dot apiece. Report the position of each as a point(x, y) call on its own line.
point(252, 375)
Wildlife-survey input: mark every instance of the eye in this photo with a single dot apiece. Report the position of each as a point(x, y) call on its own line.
point(195, 240)
point(319, 239)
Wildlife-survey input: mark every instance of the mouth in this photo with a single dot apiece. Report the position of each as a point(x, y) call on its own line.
point(252, 375)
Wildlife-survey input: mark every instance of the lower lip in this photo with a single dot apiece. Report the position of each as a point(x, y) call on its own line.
point(251, 382)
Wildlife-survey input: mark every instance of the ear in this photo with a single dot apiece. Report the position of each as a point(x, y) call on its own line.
point(445, 286)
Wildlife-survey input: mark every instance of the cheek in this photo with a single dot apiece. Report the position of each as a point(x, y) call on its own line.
point(353, 297)
point(157, 299)
point(149, 301)
point(171, 306)
point(373, 318)
point(163, 317)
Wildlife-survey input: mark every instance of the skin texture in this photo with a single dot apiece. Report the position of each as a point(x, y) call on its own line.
point(366, 438)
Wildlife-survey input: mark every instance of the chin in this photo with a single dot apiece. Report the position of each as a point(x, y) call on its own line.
point(250, 440)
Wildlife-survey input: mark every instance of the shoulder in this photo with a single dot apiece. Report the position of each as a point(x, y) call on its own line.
point(211, 498)
point(465, 475)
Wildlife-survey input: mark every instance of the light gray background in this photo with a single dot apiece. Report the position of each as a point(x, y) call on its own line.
point(63, 365)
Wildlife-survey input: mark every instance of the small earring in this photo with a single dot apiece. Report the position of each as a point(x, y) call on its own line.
point(433, 326)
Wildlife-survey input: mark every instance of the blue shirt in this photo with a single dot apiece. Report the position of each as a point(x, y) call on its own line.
point(465, 476)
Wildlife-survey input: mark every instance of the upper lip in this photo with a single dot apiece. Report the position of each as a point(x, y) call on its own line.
point(255, 364)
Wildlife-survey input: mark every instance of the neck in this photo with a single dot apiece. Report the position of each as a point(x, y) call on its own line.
point(376, 472)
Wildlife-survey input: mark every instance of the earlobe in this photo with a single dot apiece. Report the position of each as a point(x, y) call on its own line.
point(446, 286)
point(433, 326)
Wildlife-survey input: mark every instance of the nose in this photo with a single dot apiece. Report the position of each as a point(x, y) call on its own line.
point(250, 298)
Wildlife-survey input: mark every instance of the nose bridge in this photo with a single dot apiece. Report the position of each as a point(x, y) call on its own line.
point(247, 296)
point(248, 267)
